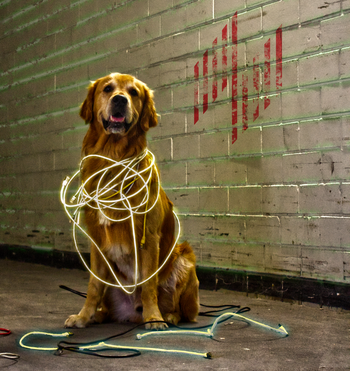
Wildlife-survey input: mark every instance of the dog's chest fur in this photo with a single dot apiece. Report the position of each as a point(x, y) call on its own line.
point(122, 255)
point(118, 246)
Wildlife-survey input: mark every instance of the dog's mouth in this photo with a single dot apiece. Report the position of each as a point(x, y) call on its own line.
point(116, 124)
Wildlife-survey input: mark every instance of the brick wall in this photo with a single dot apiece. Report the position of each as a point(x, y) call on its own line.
point(255, 122)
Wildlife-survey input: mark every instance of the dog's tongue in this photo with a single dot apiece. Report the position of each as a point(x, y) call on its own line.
point(117, 119)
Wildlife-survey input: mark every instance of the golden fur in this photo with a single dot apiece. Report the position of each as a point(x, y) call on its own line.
point(119, 110)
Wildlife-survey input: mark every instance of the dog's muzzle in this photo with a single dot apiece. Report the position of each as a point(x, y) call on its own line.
point(117, 120)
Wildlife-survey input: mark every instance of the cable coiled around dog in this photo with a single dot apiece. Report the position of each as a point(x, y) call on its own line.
point(102, 200)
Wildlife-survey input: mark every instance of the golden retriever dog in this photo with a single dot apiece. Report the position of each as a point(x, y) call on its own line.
point(120, 110)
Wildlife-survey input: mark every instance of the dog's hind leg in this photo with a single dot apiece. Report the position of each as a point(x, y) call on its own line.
point(180, 301)
point(189, 300)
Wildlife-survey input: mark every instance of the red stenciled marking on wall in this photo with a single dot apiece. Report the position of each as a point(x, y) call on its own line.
point(234, 79)
point(279, 58)
point(267, 71)
point(205, 81)
point(215, 71)
point(224, 57)
point(256, 84)
point(234, 86)
point(245, 102)
point(196, 93)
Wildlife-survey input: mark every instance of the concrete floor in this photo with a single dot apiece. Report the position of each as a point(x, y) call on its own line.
point(31, 300)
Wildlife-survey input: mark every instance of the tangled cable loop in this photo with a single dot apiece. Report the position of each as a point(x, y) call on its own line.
point(122, 187)
point(103, 199)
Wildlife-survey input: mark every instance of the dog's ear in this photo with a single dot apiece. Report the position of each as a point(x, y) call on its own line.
point(87, 108)
point(149, 115)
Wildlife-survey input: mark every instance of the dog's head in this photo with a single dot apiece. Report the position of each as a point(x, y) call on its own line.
point(119, 103)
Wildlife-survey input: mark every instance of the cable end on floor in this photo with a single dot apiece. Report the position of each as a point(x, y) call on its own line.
point(282, 330)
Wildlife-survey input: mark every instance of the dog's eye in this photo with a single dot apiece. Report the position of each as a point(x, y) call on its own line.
point(108, 89)
point(133, 92)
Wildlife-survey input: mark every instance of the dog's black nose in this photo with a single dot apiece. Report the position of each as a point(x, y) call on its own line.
point(120, 100)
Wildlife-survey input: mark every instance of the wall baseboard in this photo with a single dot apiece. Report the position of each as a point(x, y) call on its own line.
point(277, 287)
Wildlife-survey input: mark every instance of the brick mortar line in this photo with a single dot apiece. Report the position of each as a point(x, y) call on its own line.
point(276, 216)
point(262, 216)
point(261, 186)
point(275, 185)
point(7, 194)
point(17, 193)
point(4, 2)
point(293, 216)
point(254, 242)
point(22, 11)
point(292, 184)
point(72, 130)
point(63, 150)
point(339, 182)
point(25, 121)
point(299, 185)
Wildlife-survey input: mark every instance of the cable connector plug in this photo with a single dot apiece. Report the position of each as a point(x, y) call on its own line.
point(65, 181)
point(282, 330)
point(58, 352)
point(143, 242)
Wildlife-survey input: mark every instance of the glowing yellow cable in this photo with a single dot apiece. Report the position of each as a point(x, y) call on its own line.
point(207, 333)
point(143, 239)
point(102, 344)
point(210, 332)
point(281, 330)
point(96, 201)
point(114, 194)
point(8, 355)
point(41, 333)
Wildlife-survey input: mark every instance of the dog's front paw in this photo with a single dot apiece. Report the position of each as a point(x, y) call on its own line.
point(173, 318)
point(76, 321)
point(155, 325)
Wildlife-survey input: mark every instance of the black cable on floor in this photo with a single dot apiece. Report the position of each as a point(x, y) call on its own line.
point(75, 347)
